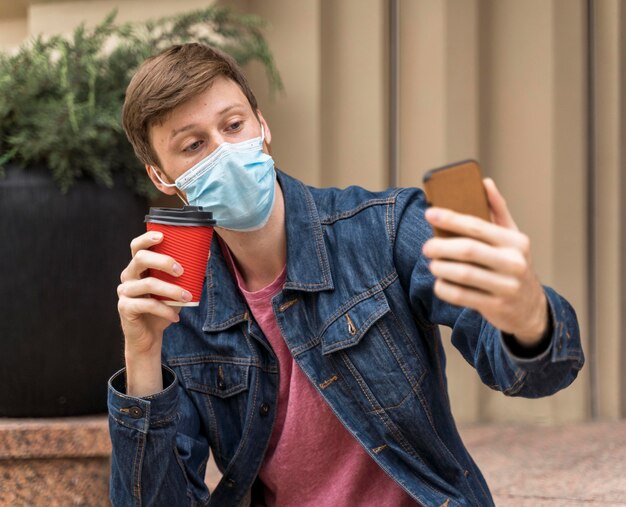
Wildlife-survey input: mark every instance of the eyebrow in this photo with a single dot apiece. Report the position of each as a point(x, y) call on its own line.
point(191, 126)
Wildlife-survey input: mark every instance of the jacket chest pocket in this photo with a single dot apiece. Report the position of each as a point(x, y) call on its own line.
point(216, 378)
point(220, 391)
point(376, 359)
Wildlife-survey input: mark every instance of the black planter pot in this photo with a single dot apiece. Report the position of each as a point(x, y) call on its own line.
point(60, 261)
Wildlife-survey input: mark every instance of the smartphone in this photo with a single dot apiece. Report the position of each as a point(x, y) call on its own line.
point(458, 187)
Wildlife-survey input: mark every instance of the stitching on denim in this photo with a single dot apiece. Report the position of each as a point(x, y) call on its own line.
point(409, 342)
point(214, 359)
point(226, 324)
point(517, 385)
point(317, 233)
point(391, 345)
point(309, 344)
point(330, 219)
point(211, 293)
point(393, 218)
point(401, 481)
point(163, 422)
point(182, 469)
point(246, 429)
point(372, 291)
point(137, 465)
point(378, 410)
point(362, 330)
point(122, 422)
point(213, 435)
point(443, 446)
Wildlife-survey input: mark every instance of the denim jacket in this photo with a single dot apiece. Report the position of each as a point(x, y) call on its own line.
point(359, 316)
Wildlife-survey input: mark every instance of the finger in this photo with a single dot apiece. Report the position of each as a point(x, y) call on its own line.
point(472, 227)
point(155, 287)
point(462, 296)
point(133, 308)
point(146, 259)
point(499, 210)
point(475, 277)
point(145, 241)
point(504, 260)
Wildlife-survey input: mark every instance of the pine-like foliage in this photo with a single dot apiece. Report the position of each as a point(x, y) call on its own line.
point(61, 98)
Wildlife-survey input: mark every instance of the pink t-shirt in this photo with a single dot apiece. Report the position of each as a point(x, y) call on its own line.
point(312, 460)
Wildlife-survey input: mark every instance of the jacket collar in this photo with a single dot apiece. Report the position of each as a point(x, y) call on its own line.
point(308, 268)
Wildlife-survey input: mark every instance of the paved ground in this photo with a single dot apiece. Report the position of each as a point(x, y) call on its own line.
point(556, 466)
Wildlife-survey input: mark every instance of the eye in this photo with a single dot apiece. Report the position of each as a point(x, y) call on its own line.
point(236, 125)
point(193, 146)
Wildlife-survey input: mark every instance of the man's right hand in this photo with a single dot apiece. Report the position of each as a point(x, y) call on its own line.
point(144, 318)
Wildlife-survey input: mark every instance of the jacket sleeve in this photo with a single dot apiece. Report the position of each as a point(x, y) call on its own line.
point(158, 455)
point(480, 343)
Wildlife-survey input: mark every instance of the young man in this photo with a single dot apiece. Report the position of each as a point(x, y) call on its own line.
point(312, 369)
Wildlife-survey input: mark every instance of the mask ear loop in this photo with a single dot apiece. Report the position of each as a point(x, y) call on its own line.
point(170, 185)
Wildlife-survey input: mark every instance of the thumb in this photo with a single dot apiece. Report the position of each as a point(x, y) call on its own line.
point(500, 214)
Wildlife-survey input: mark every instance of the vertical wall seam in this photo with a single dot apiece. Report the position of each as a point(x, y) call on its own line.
point(394, 93)
point(591, 209)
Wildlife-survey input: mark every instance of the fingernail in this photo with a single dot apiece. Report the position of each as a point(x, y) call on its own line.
point(177, 269)
point(186, 295)
point(155, 236)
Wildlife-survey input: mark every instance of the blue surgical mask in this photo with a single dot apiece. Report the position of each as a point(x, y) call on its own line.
point(236, 182)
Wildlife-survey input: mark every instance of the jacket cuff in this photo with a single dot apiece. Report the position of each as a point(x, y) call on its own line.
point(142, 413)
point(556, 346)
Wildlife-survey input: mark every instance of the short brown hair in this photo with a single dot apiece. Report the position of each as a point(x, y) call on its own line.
point(169, 79)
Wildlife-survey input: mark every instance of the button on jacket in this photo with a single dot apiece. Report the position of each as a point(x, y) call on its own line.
point(359, 316)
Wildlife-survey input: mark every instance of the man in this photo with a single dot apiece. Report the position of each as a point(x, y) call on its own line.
point(312, 368)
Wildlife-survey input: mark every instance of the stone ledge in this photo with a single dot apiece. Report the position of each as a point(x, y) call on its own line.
point(69, 437)
point(54, 462)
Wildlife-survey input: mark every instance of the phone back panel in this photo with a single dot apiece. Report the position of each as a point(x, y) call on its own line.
point(458, 187)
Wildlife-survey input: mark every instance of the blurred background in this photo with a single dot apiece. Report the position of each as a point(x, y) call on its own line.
point(376, 92)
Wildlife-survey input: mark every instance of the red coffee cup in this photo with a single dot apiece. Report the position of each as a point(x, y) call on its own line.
point(187, 234)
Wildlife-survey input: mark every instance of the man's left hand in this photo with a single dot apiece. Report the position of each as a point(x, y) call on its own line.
point(488, 268)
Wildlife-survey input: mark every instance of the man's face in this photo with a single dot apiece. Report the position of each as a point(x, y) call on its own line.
point(197, 127)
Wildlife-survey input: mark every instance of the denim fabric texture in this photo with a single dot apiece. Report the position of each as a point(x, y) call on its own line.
point(360, 318)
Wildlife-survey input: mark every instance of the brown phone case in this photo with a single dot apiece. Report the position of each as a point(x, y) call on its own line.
point(458, 187)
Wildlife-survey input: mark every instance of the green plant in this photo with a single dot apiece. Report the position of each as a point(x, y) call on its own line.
point(61, 98)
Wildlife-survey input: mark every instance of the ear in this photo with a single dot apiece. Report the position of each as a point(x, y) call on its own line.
point(162, 188)
point(266, 128)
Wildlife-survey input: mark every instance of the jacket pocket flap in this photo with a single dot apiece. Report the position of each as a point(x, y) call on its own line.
point(218, 379)
point(347, 327)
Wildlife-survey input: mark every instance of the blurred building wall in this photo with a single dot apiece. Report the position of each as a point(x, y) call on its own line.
point(514, 84)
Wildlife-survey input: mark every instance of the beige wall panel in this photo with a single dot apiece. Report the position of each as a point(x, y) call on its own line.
point(622, 135)
point(439, 124)
point(13, 31)
point(461, 129)
point(423, 90)
point(521, 149)
point(60, 17)
point(354, 93)
point(569, 264)
point(294, 116)
point(517, 141)
point(608, 178)
point(517, 115)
